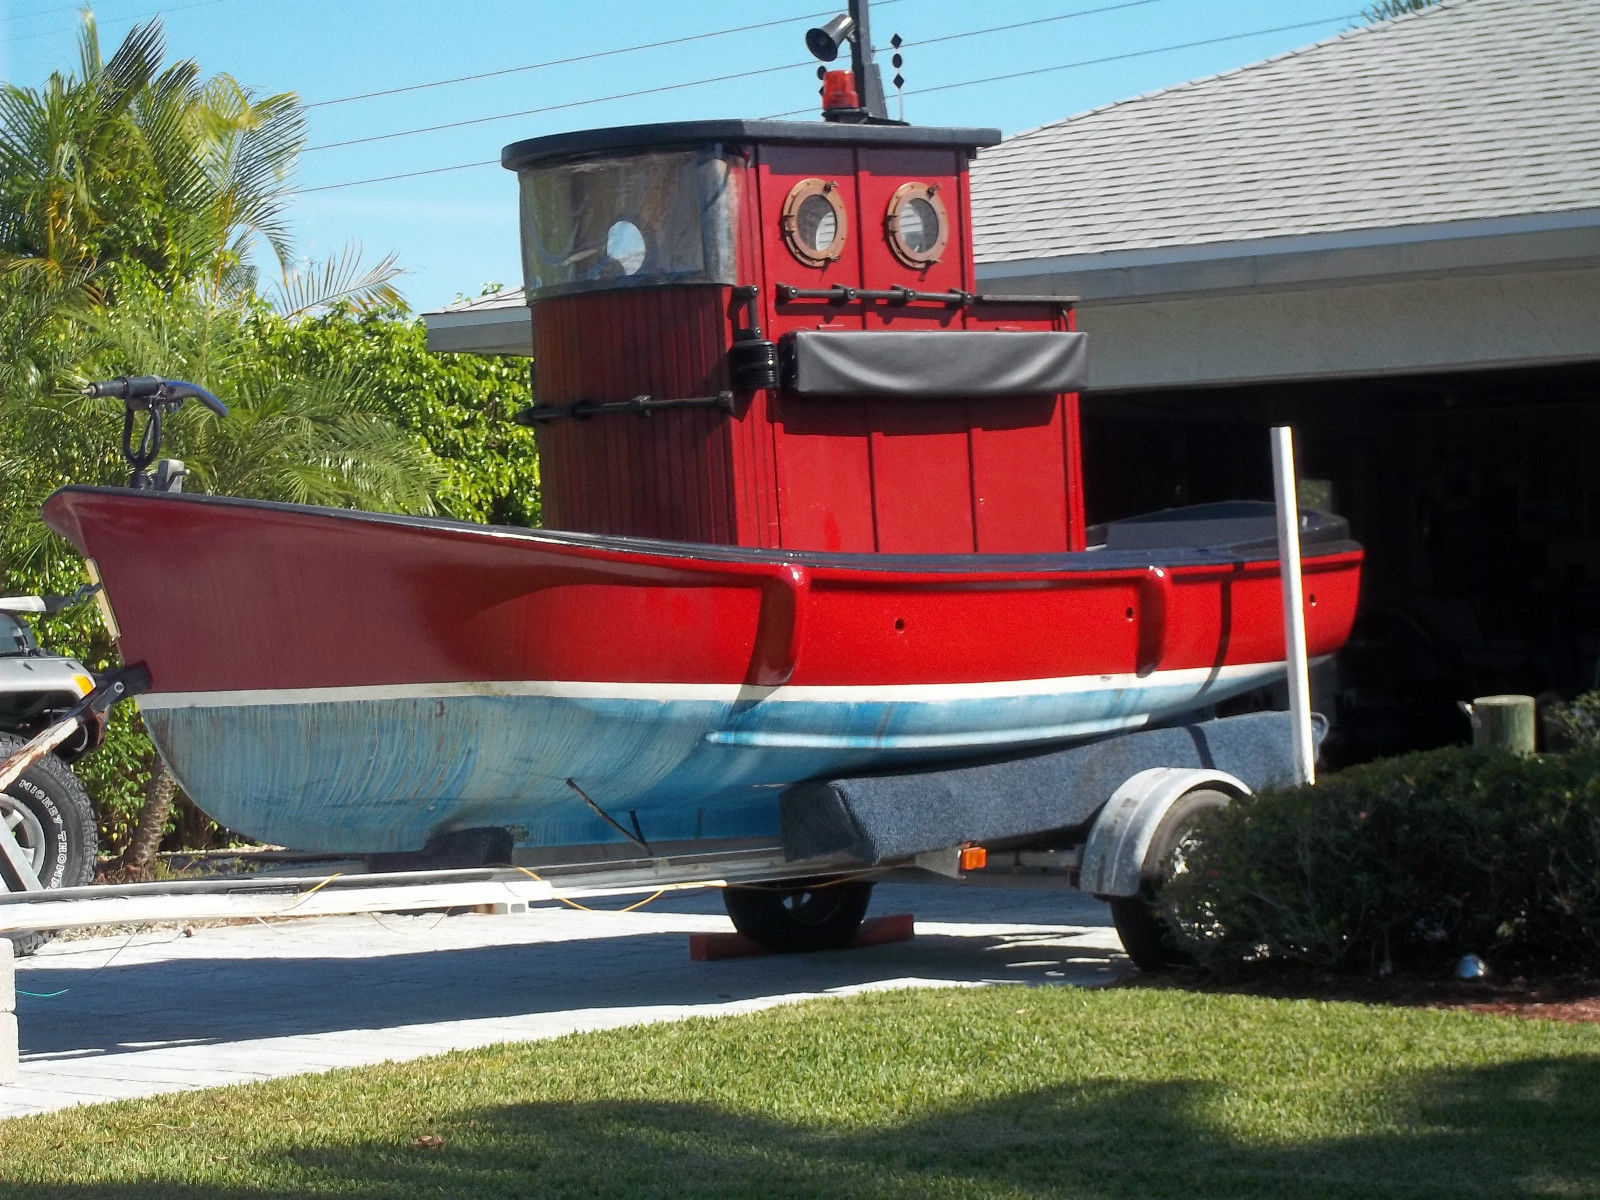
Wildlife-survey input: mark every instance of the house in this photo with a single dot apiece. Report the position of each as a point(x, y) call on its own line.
point(1389, 239)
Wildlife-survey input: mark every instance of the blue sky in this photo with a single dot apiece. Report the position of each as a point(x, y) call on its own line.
point(456, 231)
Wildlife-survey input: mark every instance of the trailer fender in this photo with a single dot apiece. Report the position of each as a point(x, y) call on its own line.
point(1113, 856)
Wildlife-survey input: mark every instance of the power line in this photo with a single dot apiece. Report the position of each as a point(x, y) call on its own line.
point(699, 37)
point(171, 8)
point(577, 58)
point(528, 112)
point(330, 187)
point(1109, 58)
point(943, 87)
point(671, 87)
point(1082, 12)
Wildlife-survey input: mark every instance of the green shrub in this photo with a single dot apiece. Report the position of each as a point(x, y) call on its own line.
point(1578, 723)
point(1407, 862)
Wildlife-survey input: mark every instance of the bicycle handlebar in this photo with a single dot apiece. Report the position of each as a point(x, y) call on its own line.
point(146, 391)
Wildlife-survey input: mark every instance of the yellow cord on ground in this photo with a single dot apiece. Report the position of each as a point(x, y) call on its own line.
point(309, 894)
point(537, 878)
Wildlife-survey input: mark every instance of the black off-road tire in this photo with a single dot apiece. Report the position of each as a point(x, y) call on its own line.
point(799, 915)
point(1142, 923)
point(52, 818)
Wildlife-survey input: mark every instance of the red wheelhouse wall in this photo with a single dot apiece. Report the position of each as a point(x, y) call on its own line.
point(866, 474)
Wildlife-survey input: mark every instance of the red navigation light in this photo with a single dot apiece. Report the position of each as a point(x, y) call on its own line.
point(839, 91)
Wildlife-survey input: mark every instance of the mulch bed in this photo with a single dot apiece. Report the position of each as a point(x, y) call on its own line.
point(1571, 998)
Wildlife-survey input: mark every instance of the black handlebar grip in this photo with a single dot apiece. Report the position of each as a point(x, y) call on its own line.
point(127, 387)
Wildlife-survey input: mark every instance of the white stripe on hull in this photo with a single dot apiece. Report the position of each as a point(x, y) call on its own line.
point(726, 693)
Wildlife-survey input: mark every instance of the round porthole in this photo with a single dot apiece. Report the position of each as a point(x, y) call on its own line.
point(917, 224)
point(625, 247)
point(814, 223)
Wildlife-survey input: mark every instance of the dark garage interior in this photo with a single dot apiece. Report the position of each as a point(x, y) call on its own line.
point(1475, 497)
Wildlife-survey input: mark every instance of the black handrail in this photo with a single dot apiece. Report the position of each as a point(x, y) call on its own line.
point(841, 293)
point(539, 414)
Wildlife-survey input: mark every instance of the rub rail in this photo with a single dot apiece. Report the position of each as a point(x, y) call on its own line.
point(539, 414)
point(842, 294)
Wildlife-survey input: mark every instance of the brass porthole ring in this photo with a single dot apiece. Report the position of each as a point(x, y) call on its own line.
point(917, 225)
point(814, 223)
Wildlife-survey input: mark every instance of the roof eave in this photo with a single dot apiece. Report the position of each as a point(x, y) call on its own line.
point(1307, 260)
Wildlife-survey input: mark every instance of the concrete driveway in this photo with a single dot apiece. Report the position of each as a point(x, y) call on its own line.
point(114, 1017)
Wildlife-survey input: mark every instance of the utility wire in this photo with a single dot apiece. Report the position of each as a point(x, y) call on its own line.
point(577, 58)
point(57, 32)
point(1109, 58)
point(528, 112)
point(943, 87)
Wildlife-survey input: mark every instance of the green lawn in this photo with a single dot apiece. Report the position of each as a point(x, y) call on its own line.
point(1124, 1093)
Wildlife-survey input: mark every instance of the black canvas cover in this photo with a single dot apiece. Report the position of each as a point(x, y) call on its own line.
point(881, 818)
point(935, 363)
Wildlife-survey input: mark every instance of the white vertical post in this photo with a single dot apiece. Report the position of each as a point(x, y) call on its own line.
point(8, 1014)
point(1294, 615)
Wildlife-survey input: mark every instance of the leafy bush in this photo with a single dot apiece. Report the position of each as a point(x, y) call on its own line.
point(458, 407)
point(342, 408)
point(1407, 862)
point(1578, 723)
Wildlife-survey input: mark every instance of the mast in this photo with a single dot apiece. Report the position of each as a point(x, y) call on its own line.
point(854, 27)
point(868, 80)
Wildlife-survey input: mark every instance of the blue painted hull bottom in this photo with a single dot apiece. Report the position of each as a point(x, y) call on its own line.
point(370, 770)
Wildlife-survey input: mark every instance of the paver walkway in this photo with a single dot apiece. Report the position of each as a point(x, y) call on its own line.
point(162, 1012)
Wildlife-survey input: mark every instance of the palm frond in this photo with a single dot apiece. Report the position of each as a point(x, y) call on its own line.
point(341, 278)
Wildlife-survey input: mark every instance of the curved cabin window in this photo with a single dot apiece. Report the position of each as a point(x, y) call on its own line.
point(627, 222)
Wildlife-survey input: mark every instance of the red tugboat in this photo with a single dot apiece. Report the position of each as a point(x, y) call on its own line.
point(816, 512)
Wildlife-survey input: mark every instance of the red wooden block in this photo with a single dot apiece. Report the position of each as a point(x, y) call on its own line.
point(710, 947)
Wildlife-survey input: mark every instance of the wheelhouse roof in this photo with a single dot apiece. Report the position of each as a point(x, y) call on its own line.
point(584, 143)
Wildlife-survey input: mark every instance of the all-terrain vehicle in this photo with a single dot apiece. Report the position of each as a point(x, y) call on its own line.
point(46, 807)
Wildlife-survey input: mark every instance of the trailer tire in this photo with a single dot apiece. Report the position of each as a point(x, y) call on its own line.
point(52, 819)
point(799, 915)
point(1142, 920)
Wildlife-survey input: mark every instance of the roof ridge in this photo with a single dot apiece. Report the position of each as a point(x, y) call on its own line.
point(1485, 109)
point(1374, 27)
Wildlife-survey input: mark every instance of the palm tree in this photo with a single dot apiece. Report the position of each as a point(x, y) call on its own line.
point(292, 434)
point(133, 161)
point(131, 196)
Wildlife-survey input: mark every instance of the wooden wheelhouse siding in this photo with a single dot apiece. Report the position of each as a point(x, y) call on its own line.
point(666, 475)
point(869, 475)
point(861, 474)
point(753, 435)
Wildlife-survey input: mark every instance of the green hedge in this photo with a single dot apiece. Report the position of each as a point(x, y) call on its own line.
point(1408, 863)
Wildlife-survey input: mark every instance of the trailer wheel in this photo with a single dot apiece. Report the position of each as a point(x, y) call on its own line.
point(49, 814)
point(1142, 921)
point(798, 915)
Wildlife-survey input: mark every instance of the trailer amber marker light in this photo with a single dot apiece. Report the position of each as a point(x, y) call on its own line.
point(974, 858)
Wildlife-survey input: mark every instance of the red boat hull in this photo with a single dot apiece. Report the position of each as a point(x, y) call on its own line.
point(215, 595)
point(340, 680)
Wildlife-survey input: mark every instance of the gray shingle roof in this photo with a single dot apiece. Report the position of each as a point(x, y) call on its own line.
point(1470, 109)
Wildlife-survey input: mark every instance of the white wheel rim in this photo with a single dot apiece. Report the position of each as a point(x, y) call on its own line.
point(25, 827)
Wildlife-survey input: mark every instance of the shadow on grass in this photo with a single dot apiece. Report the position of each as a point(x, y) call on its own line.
point(1512, 1130)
